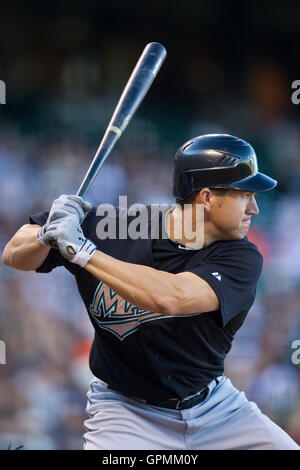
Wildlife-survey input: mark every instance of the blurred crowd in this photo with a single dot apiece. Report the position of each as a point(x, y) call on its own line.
point(46, 375)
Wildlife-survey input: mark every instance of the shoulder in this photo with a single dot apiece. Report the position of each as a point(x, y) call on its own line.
point(240, 258)
point(228, 248)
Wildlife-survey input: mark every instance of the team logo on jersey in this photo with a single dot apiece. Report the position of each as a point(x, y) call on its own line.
point(113, 313)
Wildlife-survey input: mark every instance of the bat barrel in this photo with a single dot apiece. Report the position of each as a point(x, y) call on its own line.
point(137, 86)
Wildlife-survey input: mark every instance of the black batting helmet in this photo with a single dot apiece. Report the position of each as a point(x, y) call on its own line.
point(217, 161)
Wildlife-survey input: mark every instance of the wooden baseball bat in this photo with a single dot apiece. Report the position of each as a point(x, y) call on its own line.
point(137, 86)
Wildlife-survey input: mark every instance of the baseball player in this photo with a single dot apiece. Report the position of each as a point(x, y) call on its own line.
point(164, 312)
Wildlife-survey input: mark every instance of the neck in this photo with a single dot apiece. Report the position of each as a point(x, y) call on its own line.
point(187, 227)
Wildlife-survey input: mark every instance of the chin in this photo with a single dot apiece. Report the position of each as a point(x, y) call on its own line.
point(244, 233)
point(240, 236)
point(237, 234)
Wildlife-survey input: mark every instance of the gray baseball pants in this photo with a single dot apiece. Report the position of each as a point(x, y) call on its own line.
point(224, 420)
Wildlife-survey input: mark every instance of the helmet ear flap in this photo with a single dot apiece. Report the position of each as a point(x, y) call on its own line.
point(183, 185)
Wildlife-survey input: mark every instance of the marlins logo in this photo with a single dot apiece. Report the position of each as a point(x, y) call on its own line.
point(116, 315)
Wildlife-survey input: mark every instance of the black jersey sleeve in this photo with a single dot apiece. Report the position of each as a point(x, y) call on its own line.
point(232, 270)
point(54, 258)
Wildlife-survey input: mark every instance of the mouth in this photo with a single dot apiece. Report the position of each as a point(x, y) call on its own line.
point(246, 223)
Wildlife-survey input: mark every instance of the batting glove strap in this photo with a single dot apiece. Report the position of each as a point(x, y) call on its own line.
point(84, 254)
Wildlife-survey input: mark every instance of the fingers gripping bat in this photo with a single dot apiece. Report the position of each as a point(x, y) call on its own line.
point(137, 86)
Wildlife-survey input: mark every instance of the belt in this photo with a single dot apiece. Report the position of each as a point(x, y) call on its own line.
point(187, 402)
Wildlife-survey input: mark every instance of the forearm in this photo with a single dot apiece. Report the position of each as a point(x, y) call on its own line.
point(142, 286)
point(24, 251)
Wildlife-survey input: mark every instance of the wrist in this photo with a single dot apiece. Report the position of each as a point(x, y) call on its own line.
point(82, 258)
point(81, 255)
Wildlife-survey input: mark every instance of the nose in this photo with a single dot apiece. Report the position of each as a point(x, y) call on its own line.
point(252, 207)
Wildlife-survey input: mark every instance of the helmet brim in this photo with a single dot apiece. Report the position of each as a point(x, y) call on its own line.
point(257, 183)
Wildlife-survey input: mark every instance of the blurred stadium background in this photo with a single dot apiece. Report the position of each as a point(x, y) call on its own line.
point(229, 69)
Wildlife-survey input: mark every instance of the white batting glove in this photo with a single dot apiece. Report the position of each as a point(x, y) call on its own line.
point(62, 207)
point(70, 240)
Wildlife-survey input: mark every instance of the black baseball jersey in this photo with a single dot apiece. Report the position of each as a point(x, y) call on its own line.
point(153, 356)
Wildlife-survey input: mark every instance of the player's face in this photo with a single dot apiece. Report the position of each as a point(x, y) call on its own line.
point(231, 213)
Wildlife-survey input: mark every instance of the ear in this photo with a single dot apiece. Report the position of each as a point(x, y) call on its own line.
point(205, 197)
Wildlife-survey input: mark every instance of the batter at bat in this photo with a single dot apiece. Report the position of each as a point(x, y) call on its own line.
point(165, 314)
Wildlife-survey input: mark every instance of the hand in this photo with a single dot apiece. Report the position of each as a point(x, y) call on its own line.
point(66, 205)
point(62, 207)
point(70, 240)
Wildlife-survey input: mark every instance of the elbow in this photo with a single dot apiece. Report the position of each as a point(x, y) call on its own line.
point(9, 260)
point(6, 259)
point(176, 301)
point(168, 304)
point(171, 303)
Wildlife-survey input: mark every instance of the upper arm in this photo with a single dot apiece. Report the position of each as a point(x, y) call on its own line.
point(195, 295)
